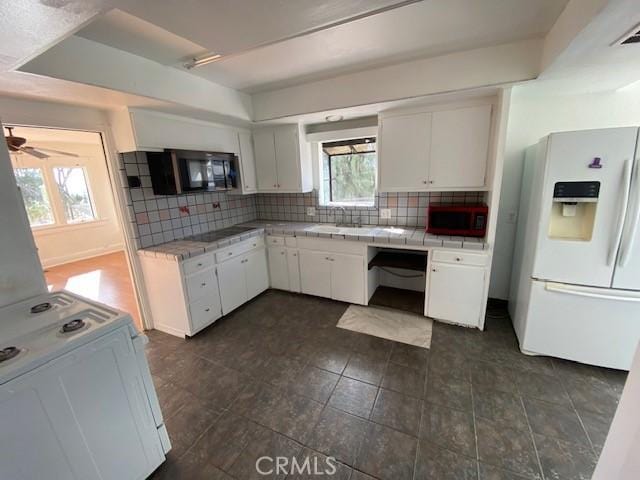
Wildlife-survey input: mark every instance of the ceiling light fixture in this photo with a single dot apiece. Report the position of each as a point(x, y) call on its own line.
point(198, 62)
point(333, 118)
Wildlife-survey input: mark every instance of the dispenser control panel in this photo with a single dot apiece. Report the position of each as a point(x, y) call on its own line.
point(576, 191)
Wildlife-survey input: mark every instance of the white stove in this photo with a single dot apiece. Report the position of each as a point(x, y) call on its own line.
point(75, 387)
point(40, 328)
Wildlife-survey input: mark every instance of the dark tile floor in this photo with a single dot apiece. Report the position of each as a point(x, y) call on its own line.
point(277, 378)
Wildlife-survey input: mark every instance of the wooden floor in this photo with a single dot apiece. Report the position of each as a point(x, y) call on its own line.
point(105, 279)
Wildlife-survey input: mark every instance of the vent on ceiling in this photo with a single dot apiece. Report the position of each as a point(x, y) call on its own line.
point(633, 36)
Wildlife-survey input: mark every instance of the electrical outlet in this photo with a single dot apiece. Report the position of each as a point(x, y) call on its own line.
point(311, 211)
point(385, 213)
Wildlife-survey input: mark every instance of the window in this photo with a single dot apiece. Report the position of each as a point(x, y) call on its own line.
point(74, 193)
point(54, 195)
point(34, 195)
point(349, 172)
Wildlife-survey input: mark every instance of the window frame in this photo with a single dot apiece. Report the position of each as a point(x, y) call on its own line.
point(347, 141)
point(47, 166)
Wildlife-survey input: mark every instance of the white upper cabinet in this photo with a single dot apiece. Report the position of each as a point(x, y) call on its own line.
point(434, 150)
point(264, 149)
point(403, 158)
point(283, 159)
point(142, 130)
point(247, 164)
point(459, 147)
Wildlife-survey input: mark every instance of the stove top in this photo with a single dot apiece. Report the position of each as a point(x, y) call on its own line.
point(38, 329)
point(215, 235)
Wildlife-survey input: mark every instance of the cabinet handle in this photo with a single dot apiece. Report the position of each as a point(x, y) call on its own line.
point(199, 264)
point(203, 284)
point(281, 253)
point(230, 253)
point(430, 181)
point(434, 270)
point(207, 309)
point(424, 181)
point(295, 254)
point(458, 259)
point(275, 186)
point(255, 245)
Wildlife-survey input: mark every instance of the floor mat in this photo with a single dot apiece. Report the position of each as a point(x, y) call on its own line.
point(390, 324)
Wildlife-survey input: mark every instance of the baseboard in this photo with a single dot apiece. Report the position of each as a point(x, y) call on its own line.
point(94, 252)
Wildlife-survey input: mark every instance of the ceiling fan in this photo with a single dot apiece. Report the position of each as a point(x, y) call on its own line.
point(17, 145)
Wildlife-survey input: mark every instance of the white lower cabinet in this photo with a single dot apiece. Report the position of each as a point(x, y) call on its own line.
point(284, 268)
point(256, 272)
point(241, 278)
point(332, 275)
point(347, 278)
point(233, 286)
point(187, 296)
point(278, 268)
point(456, 288)
point(293, 266)
point(315, 273)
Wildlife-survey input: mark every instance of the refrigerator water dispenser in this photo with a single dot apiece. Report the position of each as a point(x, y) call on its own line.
point(573, 211)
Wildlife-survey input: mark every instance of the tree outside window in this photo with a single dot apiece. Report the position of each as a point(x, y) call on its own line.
point(349, 172)
point(34, 195)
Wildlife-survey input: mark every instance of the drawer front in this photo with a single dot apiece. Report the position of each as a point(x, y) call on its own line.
point(291, 241)
point(204, 312)
point(201, 284)
point(197, 264)
point(460, 257)
point(239, 248)
point(273, 240)
point(331, 245)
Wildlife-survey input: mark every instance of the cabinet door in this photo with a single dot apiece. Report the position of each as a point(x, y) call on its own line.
point(315, 273)
point(247, 163)
point(293, 265)
point(278, 268)
point(455, 293)
point(459, 147)
point(233, 286)
point(403, 157)
point(256, 272)
point(347, 278)
point(288, 158)
point(265, 156)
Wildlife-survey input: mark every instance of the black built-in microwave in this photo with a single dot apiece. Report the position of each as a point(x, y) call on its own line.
point(182, 171)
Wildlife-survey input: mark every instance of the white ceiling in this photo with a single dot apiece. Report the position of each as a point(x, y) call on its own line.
point(422, 29)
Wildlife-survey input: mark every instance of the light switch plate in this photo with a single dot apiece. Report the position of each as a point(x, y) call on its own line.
point(311, 211)
point(385, 213)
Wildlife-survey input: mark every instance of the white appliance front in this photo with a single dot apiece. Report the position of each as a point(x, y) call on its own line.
point(83, 415)
point(597, 326)
point(599, 156)
point(627, 272)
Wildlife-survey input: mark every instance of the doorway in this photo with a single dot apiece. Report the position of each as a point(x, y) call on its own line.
point(69, 199)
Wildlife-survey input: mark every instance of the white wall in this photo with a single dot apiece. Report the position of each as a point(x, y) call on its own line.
point(534, 113)
point(20, 270)
point(67, 243)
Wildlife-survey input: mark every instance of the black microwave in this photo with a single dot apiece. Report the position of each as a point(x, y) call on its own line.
point(182, 171)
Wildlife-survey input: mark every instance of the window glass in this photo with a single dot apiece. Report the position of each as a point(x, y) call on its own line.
point(34, 194)
point(349, 172)
point(74, 194)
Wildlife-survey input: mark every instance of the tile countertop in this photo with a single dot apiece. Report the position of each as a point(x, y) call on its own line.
point(379, 234)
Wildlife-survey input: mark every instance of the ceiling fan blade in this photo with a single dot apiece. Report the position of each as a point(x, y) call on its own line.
point(33, 152)
point(59, 152)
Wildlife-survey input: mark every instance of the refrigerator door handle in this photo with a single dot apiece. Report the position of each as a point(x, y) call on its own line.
point(626, 182)
point(591, 292)
point(631, 237)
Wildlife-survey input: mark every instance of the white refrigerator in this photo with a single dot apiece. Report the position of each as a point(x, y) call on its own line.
point(575, 285)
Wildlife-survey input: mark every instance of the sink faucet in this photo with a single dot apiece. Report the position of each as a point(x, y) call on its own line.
point(344, 212)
